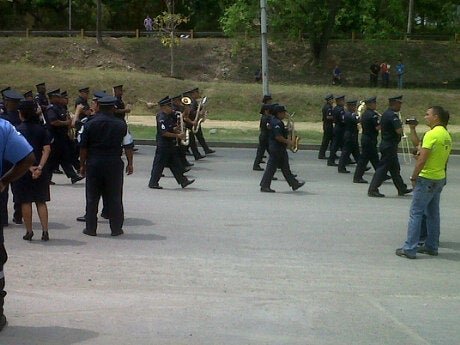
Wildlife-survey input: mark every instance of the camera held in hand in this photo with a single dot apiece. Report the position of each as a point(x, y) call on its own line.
point(412, 122)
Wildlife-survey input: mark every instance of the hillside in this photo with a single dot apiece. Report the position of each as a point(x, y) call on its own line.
point(428, 64)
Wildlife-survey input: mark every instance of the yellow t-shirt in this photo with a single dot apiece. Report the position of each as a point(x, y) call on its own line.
point(439, 142)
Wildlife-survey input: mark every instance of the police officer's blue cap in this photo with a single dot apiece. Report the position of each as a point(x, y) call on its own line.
point(28, 94)
point(279, 109)
point(107, 100)
point(396, 99)
point(12, 95)
point(5, 89)
point(266, 98)
point(55, 93)
point(40, 84)
point(99, 94)
point(191, 91)
point(118, 86)
point(339, 97)
point(164, 101)
point(329, 97)
point(352, 102)
point(26, 104)
point(84, 89)
point(64, 94)
point(370, 100)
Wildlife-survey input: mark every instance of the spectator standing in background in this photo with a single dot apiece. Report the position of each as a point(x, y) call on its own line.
point(374, 75)
point(336, 76)
point(385, 71)
point(400, 70)
point(148, 23)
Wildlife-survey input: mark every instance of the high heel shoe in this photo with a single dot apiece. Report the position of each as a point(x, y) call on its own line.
point(45, 236)
point(28, 236)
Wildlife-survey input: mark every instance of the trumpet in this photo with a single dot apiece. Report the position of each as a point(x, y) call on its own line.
point(199, 116)
point(291, 133)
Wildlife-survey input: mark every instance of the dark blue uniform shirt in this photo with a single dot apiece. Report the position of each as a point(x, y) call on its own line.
point(327, 111)
point(277, 128)
point(390, 122)
point(369, 122)
point(12, 117)
point(338, 113)
point(54, 113)
point(165, 123)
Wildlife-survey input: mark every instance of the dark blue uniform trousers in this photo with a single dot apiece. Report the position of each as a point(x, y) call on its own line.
point(263, 146)
point(369, 153)
point(104, 177)
point(389, 162)
point(278, 159)
point(166, 156)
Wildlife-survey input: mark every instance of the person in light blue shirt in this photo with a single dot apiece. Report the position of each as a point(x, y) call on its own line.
point(15, 149)
point(400, 70)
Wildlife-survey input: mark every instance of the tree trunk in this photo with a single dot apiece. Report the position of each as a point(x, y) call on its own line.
point(98, 23)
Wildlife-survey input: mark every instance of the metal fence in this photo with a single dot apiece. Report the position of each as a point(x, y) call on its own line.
point(205, 34)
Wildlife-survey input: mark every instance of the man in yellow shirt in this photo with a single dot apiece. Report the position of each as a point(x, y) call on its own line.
point(428, 180)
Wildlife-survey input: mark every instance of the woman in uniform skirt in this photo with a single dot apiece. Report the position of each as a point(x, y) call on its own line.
point(33, 187)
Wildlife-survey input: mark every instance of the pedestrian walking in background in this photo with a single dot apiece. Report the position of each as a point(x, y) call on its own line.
point(400, 70)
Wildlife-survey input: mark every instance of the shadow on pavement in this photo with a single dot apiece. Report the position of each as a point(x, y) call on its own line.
point(450, 245)
point(137, 222)
point(59, 242)
point(45, 335)
point(136, 237)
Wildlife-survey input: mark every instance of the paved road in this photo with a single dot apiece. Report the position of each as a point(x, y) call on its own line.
point(222, 263)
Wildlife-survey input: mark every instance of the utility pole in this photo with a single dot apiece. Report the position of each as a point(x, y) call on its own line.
point(263, 32)
point(70, 15)
point(410, 17)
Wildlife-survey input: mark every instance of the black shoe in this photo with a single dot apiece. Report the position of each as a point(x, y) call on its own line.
point(257, 168)
point(75, 179)
point(404, 192)
point(367, 169)
point(322, 157)
point(264, 156)
point(343, 171)
point(52, 183)
point(403, 253)
point(361, 180)
point(81, 219)
point(117, 233)
point(28, 236)
point(209, 151)
point(298, 185)
point(262, 162)
point(155, 186)
point(188, 164)
point(135, 149)
point(351, 162)
point(57, 171)
point(186, 183)
point(375, 194)
point(425, 250)
point(3, 322)
point(45, 236)
point(89, 233)
point(266, 190)
point(105, 216)
point(187, 169)
point(332, 164)
point(17, 221)
point(199, 157)
point(274, 178)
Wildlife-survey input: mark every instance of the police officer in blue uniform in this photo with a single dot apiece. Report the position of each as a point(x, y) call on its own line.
point(2, 101)
point(263, 135)
point(14, 149)
point(41, 98)
point(370, 124)
point(101, 147)
point(338, 114)
point(166, 153)
point(328, 126)
point(83, 100)
point(11, 114)
point(278, 144)
point(58, 124)
point(350, 137)
point(391, 131)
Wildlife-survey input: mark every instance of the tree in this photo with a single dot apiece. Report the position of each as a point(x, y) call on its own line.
point(166, 24)
point(99, 23)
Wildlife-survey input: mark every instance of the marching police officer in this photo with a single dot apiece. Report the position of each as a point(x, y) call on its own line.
point(370, 124)
point(278, 142)
point(328, 126)
point(350, 137)
point(41, 98)
point(263, 135)
point(391, 130)
point(166, 153)
point(101, 147)
point(83, 100)
point(338, 114)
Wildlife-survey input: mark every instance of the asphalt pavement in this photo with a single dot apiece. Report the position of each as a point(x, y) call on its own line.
point(222, 263)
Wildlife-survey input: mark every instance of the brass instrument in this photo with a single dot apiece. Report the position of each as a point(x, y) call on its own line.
point(183, 129)
point(200, 116)
point(361, 108)
point(291, 133)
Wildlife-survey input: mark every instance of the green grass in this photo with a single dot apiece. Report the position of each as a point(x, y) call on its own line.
point(227, 100)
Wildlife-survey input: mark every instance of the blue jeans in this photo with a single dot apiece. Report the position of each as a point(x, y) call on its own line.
point(425, 200)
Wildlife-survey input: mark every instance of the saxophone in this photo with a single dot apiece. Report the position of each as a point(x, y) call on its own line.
point(199, 116)
point(291, 133)
point(183, 128)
